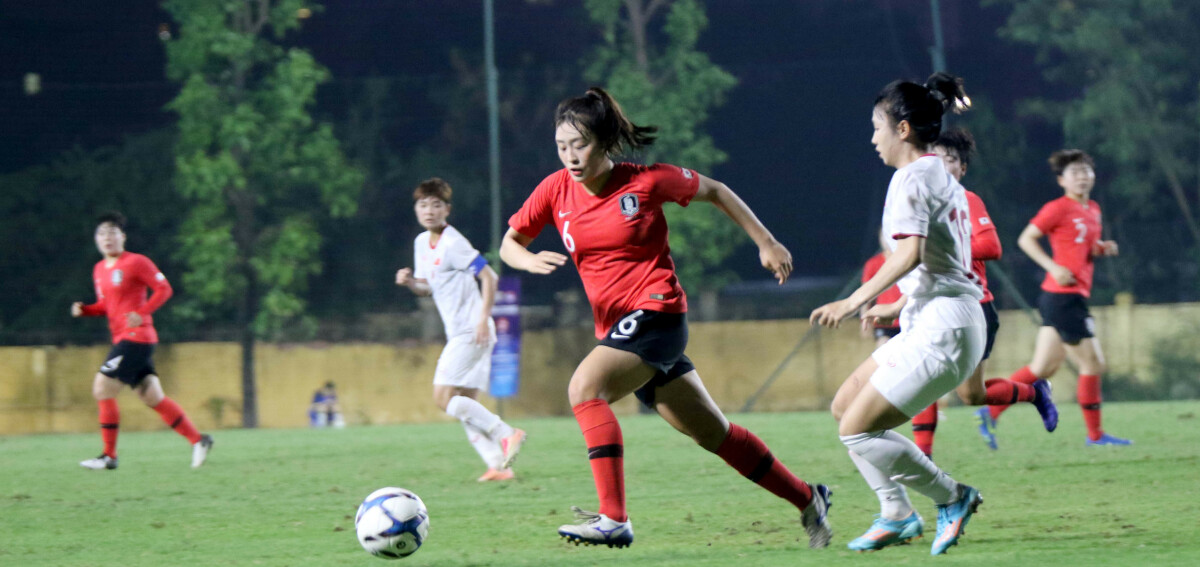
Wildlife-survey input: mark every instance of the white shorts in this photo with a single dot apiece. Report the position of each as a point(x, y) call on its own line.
point(941, 343)
point(465, 364)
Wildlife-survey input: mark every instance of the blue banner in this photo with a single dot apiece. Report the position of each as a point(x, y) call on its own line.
point(506, 357)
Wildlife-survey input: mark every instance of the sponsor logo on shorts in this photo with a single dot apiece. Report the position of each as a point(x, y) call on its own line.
point(891, 361)
point(112, 364)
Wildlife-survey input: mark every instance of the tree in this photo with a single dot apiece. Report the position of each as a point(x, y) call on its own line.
point(258, 171)
point(670, 84)
point(1138, 105)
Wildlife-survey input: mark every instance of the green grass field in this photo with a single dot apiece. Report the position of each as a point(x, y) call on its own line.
point(287, 497)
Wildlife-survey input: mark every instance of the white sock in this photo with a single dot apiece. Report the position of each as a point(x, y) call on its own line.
point(472, 412)
point(894, 455)
point(893, 499)
point(488, 450)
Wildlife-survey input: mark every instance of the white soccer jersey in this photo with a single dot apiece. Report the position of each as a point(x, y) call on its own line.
point(924, 200)
point(450, 268)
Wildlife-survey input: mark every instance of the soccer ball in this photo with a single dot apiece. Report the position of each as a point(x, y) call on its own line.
point(392, 523)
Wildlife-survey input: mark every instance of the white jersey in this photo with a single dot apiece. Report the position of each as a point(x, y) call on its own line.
point(924, 200)
point(450, 269)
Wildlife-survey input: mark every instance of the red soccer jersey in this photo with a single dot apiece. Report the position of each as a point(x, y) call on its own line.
point(121, 289)
point(618, 239)
point(890, 295)
point(985, 243)
point(1073, 230)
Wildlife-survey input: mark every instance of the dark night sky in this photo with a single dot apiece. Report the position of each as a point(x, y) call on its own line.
point(796, 128)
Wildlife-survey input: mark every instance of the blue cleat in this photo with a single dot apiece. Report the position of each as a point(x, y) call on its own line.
point(987, 425)
point(1106, 439)
point(953, 517)
point(883, 533)
point(1045, 404)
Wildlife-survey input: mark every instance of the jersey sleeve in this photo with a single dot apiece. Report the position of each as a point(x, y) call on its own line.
point(672, 183)
point(985, 241)
point(870, 268)
point(464, 257)
point(537, 211)
point(1048, 217)
point(419, 271)
point(160, 288)
point(94, 309)
point(908, 211)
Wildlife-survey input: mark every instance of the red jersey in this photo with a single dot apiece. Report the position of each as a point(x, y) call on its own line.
point(890, 295)
point(618, 238)
point(121, 289)
point(1073, 230)
point(985, 243)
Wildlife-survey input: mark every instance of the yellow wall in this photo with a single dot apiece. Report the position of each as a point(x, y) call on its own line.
point(48, 389)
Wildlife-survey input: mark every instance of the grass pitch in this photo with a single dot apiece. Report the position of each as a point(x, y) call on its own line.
point(287, 497)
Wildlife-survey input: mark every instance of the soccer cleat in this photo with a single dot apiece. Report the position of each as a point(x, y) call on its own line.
point(200, 450)
point(987, 425)
point(511, 446)
point(1105, 439)
point(953, 517)
point(103, 462)
point(496, 474)
point(597, 529)
point(1045, 404)
point(884, 532)
point(815, 518)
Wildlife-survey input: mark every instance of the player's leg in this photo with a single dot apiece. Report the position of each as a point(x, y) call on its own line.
point(105, 390)
point(463, 370)
point(685, 404)
point(150, 391)
point(462, 404)
point(1048, 356)
point(1089, 358)
point(924, 425)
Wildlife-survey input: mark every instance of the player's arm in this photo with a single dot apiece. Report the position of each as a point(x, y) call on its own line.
point(418, 286)
point(79, 309)
point(904, 259)
point(1028, 243)
point(773, 255)
point(488, 282)
point(514, 251)
point(160, 292)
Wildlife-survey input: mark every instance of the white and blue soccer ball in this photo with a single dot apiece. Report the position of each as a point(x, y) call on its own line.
point(392, 523)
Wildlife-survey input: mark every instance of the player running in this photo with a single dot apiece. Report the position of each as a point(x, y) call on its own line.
point(121, 280)
point(610, 216)
point(942, 336)
point(446, 268)
point(1072, 224)
point(956, 148)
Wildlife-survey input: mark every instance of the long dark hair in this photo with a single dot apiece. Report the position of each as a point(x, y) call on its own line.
point(923, 105)
point(597, 114)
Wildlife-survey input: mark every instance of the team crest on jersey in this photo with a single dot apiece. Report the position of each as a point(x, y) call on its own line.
point(629, 204)
point(117, 277)
point(687, 173)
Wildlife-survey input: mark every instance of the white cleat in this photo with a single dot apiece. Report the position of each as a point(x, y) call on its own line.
point(815, 518)
point(597, 529)
point(200, 450)
point(103, 462)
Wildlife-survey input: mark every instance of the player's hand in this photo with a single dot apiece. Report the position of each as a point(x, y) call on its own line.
point(1062, 275)
point(404, 276)
point(132, 319)
point(879, 314)
point(77, 309)
point(1108, 248)
point(832, 314)
point(777, 259)
point(545, 262)
point(483, 334)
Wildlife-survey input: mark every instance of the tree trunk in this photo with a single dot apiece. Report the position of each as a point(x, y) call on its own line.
point(246, 318)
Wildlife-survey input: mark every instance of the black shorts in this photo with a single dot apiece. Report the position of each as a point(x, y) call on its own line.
point(993, 325)
point(129, 362)
point(889, 332)
point(659, 339)
point(1068, 314)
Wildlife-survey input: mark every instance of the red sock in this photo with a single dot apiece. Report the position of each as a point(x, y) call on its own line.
point(1023, 376)
point(606, 452)
point(924, 424)
point(1088, 394)
point(1001, 392)
point(110, 421)
point(748, 455)
point(173, 415)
